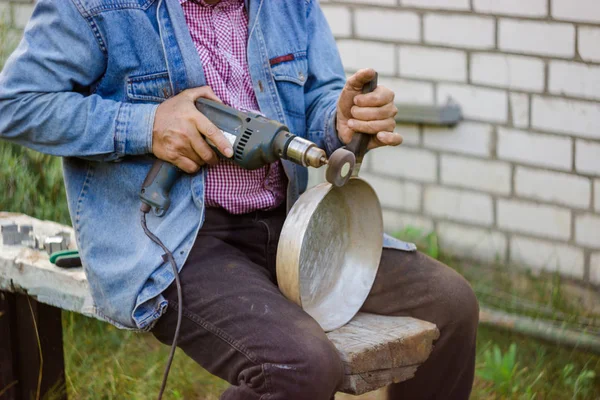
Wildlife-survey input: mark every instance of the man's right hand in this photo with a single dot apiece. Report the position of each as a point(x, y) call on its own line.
point(179, 131)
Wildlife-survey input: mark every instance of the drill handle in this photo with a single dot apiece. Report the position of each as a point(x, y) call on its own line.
point(360, 141)
point(156, 187)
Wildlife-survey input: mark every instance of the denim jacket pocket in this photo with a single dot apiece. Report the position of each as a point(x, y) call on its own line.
point(290, 76)
point(149, 88)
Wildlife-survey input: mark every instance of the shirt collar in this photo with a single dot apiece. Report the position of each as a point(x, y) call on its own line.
point(202, 3)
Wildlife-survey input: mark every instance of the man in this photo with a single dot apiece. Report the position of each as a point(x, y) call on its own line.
point(105, 83)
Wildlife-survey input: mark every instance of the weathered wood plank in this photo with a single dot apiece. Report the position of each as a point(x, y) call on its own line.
point(376, 350)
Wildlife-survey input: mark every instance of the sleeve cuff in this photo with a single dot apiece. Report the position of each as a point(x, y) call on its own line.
point(332, 140)
point(133, 132)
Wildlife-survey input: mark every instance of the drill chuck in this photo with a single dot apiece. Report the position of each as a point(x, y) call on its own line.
point(304, 152)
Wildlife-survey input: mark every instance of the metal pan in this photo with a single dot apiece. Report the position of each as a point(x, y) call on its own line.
point(331, 242)
point(329, 251)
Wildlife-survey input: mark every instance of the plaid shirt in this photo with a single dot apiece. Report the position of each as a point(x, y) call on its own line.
point(220, 34)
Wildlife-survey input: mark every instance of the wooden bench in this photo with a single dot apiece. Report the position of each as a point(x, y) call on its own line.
point(376, 350)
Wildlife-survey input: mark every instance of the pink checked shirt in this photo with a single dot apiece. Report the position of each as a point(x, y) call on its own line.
point(220, 33)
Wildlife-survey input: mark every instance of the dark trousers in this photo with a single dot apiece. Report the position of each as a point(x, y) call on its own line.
point(238, 325)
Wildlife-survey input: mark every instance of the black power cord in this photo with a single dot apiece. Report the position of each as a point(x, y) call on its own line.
point(168, 256)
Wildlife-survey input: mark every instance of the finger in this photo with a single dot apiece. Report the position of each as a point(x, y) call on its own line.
point(360, 79)
point(202, 91)
point(385, 139)
point(372, 127)
point(213, 135)
point(187, 165)
point(377, 98)
point(204, 151)
point(374, 113)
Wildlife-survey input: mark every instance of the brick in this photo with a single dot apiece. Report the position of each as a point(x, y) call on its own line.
point(21, 14)
point(588, 43)
point(357, 54)
point(459, 205)
point(395, 222)
point(574, 79)
point(529, 8)
point(477, 103)
point(387, 24)
point(475, 243)
point(597, 195)
point(587, 158)
point(555, 187)
point(595, 268)
point(587, 230)
point(410, 134)
point(534, 149)
point(541, 255)
point(519, 107)
point(339, 18)
point(576, 10)
point(404, 162)
point(468, 31)
point(395, 194)
point(512, 72)
point(566, 116)
point(484, 175)
point(439, 4)
point(437, 64)
point(465, 138)
point(409, 91)
point(534, 219)
point(532, 37)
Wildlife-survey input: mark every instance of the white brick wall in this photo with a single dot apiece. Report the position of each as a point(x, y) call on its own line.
point(597, 195)
point(409, 91)
point(466, 138)
point(357, 54)
point(477, 103)
point(595, 268)
point(391, 25)
point(395, 221)
point(394, 194)
point(519, 107)
point(527, 8)
point(547, 256)
point(566, 116)
point(588, 157)
point(482, 244)
point(588, 43)
point(534, 219)
point(339, 19)
point(576, 10)
point(439, 4)
point(460, 31)
point(587, 230)
point(513, 72)
point(575, 79)
point(535, 148)
point(487, 176)
point(404, 162)
point(438, 64)
point(21, 14)
point(553, 187)
point(459, 205)
point(532, 37)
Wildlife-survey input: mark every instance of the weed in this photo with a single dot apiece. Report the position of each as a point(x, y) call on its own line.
point(581, 384)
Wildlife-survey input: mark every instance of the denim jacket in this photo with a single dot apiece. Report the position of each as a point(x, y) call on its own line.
point(85, 83)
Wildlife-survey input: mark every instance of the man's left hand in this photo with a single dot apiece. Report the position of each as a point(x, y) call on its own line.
point(372, 113)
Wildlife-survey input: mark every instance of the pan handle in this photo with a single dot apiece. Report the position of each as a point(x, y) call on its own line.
point(360, 141)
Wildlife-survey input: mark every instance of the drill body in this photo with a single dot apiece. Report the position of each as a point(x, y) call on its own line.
point(256, 141)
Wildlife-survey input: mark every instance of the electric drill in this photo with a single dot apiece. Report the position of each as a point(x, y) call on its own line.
point(256, 141)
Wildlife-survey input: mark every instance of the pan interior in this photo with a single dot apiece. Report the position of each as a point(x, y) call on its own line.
point(340, 254)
